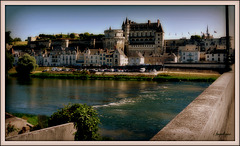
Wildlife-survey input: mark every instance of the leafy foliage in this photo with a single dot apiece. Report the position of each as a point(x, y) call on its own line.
point(196, 37)
point(47, 36)
point(17, 39)
point(84, 117)
point(72, 35)
point(26, 64)
point(87, 36)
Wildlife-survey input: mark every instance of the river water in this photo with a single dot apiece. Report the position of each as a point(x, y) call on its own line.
point(128, 110)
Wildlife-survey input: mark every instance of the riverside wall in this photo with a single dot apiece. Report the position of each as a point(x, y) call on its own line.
point(209, 117)
point(64, 132)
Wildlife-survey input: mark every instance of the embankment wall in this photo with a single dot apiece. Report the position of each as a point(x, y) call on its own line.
point(207, 117)
point(64, 132)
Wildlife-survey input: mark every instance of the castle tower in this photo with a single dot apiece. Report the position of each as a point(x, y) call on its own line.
point(126, 31)
point(113, 39)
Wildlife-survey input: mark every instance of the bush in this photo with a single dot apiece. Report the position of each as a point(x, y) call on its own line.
point(84, 117)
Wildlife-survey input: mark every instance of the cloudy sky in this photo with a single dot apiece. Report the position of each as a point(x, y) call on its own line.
point(177, 21)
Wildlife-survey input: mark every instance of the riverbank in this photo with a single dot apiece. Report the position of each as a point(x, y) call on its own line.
point(133, 76)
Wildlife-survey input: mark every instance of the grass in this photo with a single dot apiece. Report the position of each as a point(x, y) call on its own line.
point(20, 43)
point(38, 121)
point(32, 119)
point(91, 76)
point(159, 77)
point(186, 76)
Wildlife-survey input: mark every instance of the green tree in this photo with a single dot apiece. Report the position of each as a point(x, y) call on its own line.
point(26, 64)
point(72, 35)
point(86, 34)
point(8, 38)
point(84, 117)
point(9, 61)
point(196, 37)
point(17, 39)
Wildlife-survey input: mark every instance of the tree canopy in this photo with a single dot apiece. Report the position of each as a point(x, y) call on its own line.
point(72, 35)
point(26, 64)
point(17, 39)
point(196, 37)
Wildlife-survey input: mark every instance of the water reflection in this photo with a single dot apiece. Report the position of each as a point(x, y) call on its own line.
point(128, 110)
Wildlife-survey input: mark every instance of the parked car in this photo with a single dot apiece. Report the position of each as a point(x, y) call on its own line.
point(154, 70)
point(54, 69)
point(92, 70)
point(101, 70)
point(45, 70)
point(142, 70)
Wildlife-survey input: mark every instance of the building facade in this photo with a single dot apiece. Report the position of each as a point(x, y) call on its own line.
point(143, 37)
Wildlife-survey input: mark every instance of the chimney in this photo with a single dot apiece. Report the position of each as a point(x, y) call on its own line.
point(158, 22)
point(149, 22)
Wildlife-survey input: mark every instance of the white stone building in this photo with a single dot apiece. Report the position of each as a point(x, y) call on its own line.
point(91, 57)
point(119, 58)
point(189, 54)
point(60, 57)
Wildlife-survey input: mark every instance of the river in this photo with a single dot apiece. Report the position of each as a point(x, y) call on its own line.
point(128, 110)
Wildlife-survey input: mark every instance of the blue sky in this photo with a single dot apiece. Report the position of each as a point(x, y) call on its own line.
point(177, 21)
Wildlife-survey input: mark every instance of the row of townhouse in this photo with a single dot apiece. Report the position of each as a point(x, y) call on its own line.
point(99, 57)
point(192, 54)
point(72, 57)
